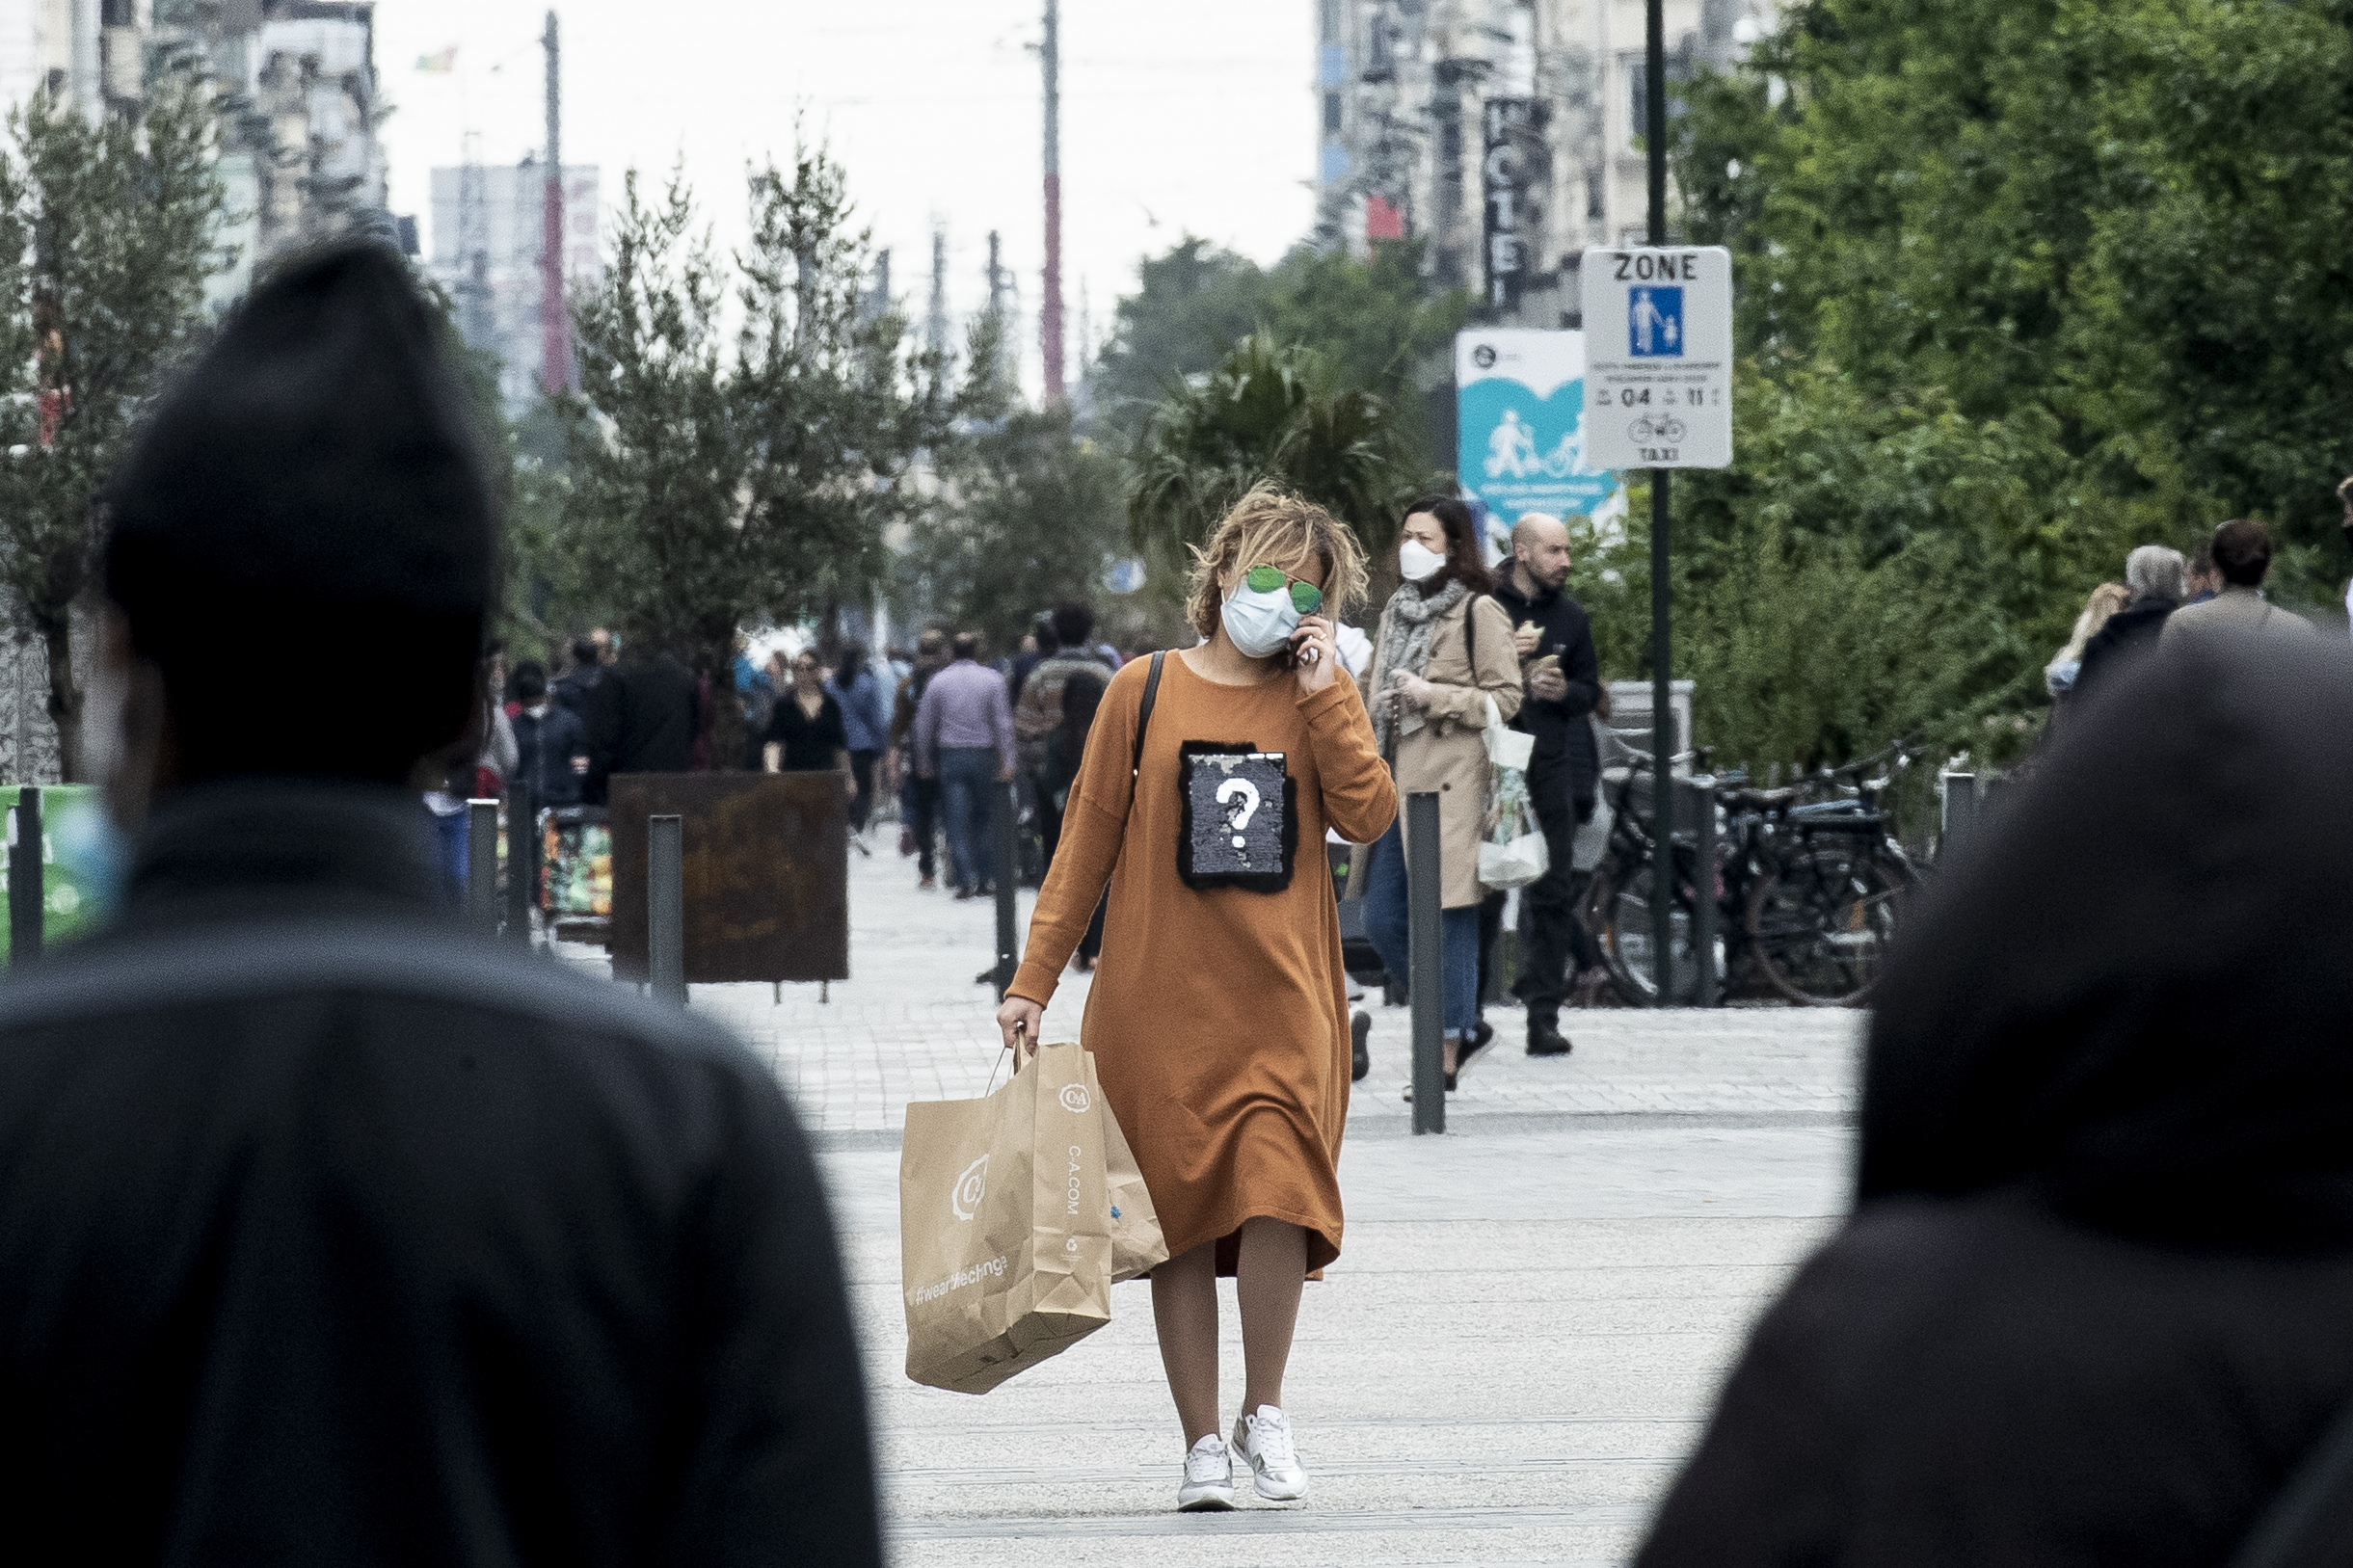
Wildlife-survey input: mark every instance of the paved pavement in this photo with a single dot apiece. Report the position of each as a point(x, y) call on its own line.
point(1521, 1340)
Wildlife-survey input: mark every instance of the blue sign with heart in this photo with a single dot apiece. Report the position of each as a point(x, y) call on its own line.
point(1520, 452)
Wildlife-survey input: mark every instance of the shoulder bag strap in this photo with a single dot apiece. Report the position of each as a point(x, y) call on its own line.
point(1144, 715)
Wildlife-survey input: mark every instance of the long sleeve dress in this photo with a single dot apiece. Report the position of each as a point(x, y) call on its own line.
point(1218, 1018)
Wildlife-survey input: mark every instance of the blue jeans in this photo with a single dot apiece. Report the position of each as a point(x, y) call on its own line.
point(1385, 923)
point(967, 775)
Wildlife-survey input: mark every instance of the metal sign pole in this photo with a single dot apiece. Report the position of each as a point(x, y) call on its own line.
point(1425, 949)
point(482, 865)
point(1662, 648)
point(666, 908)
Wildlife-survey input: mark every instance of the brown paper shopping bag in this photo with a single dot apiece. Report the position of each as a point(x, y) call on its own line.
point(1004, 1224)
point(1137, 1247)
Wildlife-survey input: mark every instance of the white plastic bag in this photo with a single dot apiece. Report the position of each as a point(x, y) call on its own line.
point(1512, 850)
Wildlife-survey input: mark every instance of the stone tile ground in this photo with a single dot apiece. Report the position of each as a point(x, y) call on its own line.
point(1520, 1342)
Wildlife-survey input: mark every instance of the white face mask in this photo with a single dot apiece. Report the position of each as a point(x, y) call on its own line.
point(1259, 623)
point(1416, 561)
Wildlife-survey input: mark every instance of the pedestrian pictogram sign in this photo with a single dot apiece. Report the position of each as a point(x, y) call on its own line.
point(1658, 375)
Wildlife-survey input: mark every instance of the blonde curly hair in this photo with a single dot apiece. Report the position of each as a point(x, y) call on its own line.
point(1271, 527)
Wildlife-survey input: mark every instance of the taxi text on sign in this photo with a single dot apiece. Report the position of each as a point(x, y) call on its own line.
point(1658, 357)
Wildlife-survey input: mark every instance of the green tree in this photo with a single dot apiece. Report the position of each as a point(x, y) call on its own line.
point(2021, 284)
point(106, 238)
point(1267, 411)
point(1028, 515)
point(1189, 308)
point(721, 477)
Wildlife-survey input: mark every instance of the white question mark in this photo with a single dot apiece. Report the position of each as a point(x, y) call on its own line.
point(1239, 798)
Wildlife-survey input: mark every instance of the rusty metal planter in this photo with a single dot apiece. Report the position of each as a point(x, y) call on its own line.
point(766, 873)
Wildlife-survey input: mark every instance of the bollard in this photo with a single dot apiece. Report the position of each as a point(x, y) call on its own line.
point(666, 908)
point(26, 893)
point(521, 862)
point(482, 865)
point(1425, 957)
point(1959, 812)
point(1000, 861)
point(1707, 985)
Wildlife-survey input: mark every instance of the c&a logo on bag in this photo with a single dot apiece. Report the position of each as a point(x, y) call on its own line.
point(1075, 1099)
point(970, 1188)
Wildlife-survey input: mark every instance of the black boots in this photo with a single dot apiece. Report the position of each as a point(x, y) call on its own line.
point(1545, 1038)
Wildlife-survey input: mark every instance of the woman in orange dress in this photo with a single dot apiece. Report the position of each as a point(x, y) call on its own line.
point(1218, 1018)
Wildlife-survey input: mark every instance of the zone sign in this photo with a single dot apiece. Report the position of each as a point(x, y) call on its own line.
point(1658, 357)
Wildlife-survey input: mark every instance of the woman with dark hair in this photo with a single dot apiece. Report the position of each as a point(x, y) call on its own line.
point(2091, 1306)
point(1444, 652)
point(805, 732)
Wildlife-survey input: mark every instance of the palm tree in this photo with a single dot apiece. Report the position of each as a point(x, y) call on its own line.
point(1269, 410)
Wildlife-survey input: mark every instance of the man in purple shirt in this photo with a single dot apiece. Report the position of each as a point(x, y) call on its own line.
point(964, 738)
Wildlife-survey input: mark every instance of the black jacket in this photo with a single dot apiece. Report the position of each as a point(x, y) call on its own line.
point(545, 748)
point(1563, 729)
point(2133, 628)
point(2092, 1306)
point(642, 718)
point(336, 1234)
point(573, 691)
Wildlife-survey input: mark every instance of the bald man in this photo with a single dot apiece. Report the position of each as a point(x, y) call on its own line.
point(1556, 650)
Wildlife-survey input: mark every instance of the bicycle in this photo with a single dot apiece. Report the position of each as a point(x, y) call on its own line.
point(1805, 891)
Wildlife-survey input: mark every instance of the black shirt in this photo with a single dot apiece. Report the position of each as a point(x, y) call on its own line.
point(338, 1234)
point(1561, 728)
point(643, 715)
point(810, 744)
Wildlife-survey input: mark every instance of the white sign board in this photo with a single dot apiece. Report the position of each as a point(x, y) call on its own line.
point(1658, 357)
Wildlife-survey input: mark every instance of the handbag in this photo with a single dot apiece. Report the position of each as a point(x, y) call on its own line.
point(1512, 850)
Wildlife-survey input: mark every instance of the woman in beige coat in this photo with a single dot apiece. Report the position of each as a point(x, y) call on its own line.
point(1444, 650)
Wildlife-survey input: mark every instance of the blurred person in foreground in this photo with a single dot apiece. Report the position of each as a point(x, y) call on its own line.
point(2153, 574)
point(337, 1232)
point(2243, 554)
point(2091, 1306)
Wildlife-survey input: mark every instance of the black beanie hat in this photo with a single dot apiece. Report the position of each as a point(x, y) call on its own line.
point(303, 539)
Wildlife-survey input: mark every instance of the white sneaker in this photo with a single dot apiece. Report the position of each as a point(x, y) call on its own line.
point(1264, 1441)
point(1209, 1477)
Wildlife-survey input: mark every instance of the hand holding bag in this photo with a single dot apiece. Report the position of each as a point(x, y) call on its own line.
point(1511, 851)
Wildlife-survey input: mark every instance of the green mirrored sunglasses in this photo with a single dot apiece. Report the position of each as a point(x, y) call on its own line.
point(1305, 596)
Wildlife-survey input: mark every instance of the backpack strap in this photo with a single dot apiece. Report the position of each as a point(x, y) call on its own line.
point(1143, 715)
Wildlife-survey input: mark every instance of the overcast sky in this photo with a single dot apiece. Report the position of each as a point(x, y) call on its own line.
point(1196, 116)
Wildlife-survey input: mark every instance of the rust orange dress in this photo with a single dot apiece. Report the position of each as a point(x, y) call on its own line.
point(1218, 1018)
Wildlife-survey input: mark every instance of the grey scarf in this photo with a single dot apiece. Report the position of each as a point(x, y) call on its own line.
point(1406, 626)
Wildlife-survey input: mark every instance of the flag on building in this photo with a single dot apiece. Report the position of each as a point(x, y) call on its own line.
point(1384, 219)
point(439, 65)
